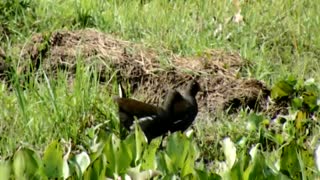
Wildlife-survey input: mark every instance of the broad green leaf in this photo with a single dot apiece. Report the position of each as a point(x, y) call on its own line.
point(124, 158)
point(311, 86)
point(178, 149)
point(297, 103)
point(136, 144)
point(182, 154)
point(118, 156)
point(289, 128)
point(165, 163)
point(83, 160)
point(282, 88)
point(97, 169)
point(310, 99)
point(74, 169)
point(5, 170)
point(97, 144)
point(300, 119)
point(149, 155)
point(170, 177)
point(26, 163)
point(278, 138)
point(258, 168)
point(135, 173)
point(254, 121)
point(289, 162)
point(65, 169)
point(111, 148)
point(305, 157)
point(230, 152)
point(193, 154)
point(90, 132)
point(188, 168)
point(201, 174)
point(131, 144)
point(317, 157)
point(236, 172)
point(53, 160)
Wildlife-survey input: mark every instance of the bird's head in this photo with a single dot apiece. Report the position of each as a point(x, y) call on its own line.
point(193, 88)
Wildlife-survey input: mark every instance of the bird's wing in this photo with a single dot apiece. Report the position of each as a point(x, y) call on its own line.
point(137, 108)
point(181, 107)
point(172, 99)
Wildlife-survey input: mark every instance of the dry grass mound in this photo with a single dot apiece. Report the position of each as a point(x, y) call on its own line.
point(148, 72)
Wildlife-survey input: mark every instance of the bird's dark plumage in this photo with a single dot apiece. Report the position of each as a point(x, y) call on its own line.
point(150, 118)
point(177, 113)
point(184, 107)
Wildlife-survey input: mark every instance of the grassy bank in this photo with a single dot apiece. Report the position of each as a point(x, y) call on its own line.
point(280, 39)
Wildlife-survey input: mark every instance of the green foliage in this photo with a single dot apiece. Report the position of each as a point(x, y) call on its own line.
point(303, 96)
point(5, 170)
point(26, 163)
point(283, 88)
point(281, 42)
point(119, 158)
point(133, 157)
point(178, 158)
point(53, 160)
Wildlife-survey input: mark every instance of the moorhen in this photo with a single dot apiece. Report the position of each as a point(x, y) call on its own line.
point(177, 113)
point(150, 118)
point(183, 107)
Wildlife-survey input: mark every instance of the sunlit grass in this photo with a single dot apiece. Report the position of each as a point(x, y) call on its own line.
point(279, 37)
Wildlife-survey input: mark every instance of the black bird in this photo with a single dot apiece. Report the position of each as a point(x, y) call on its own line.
point(177, 113)
point(152, 119)
point(183, 107)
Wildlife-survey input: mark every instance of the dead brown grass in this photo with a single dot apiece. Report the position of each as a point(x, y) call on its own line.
point(148, 74)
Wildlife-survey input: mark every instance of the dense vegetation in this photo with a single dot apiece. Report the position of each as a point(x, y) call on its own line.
point(44, 127)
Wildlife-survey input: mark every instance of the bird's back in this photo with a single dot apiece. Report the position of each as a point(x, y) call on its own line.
point(150, 117)
point(137, 108)
point(184, 111)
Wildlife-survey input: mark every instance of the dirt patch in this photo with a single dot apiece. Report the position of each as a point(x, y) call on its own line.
point(148, 72)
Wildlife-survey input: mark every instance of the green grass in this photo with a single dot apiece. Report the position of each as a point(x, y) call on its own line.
point(280, 38)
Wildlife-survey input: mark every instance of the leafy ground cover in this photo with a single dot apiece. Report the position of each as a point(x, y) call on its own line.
point(65, 125)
